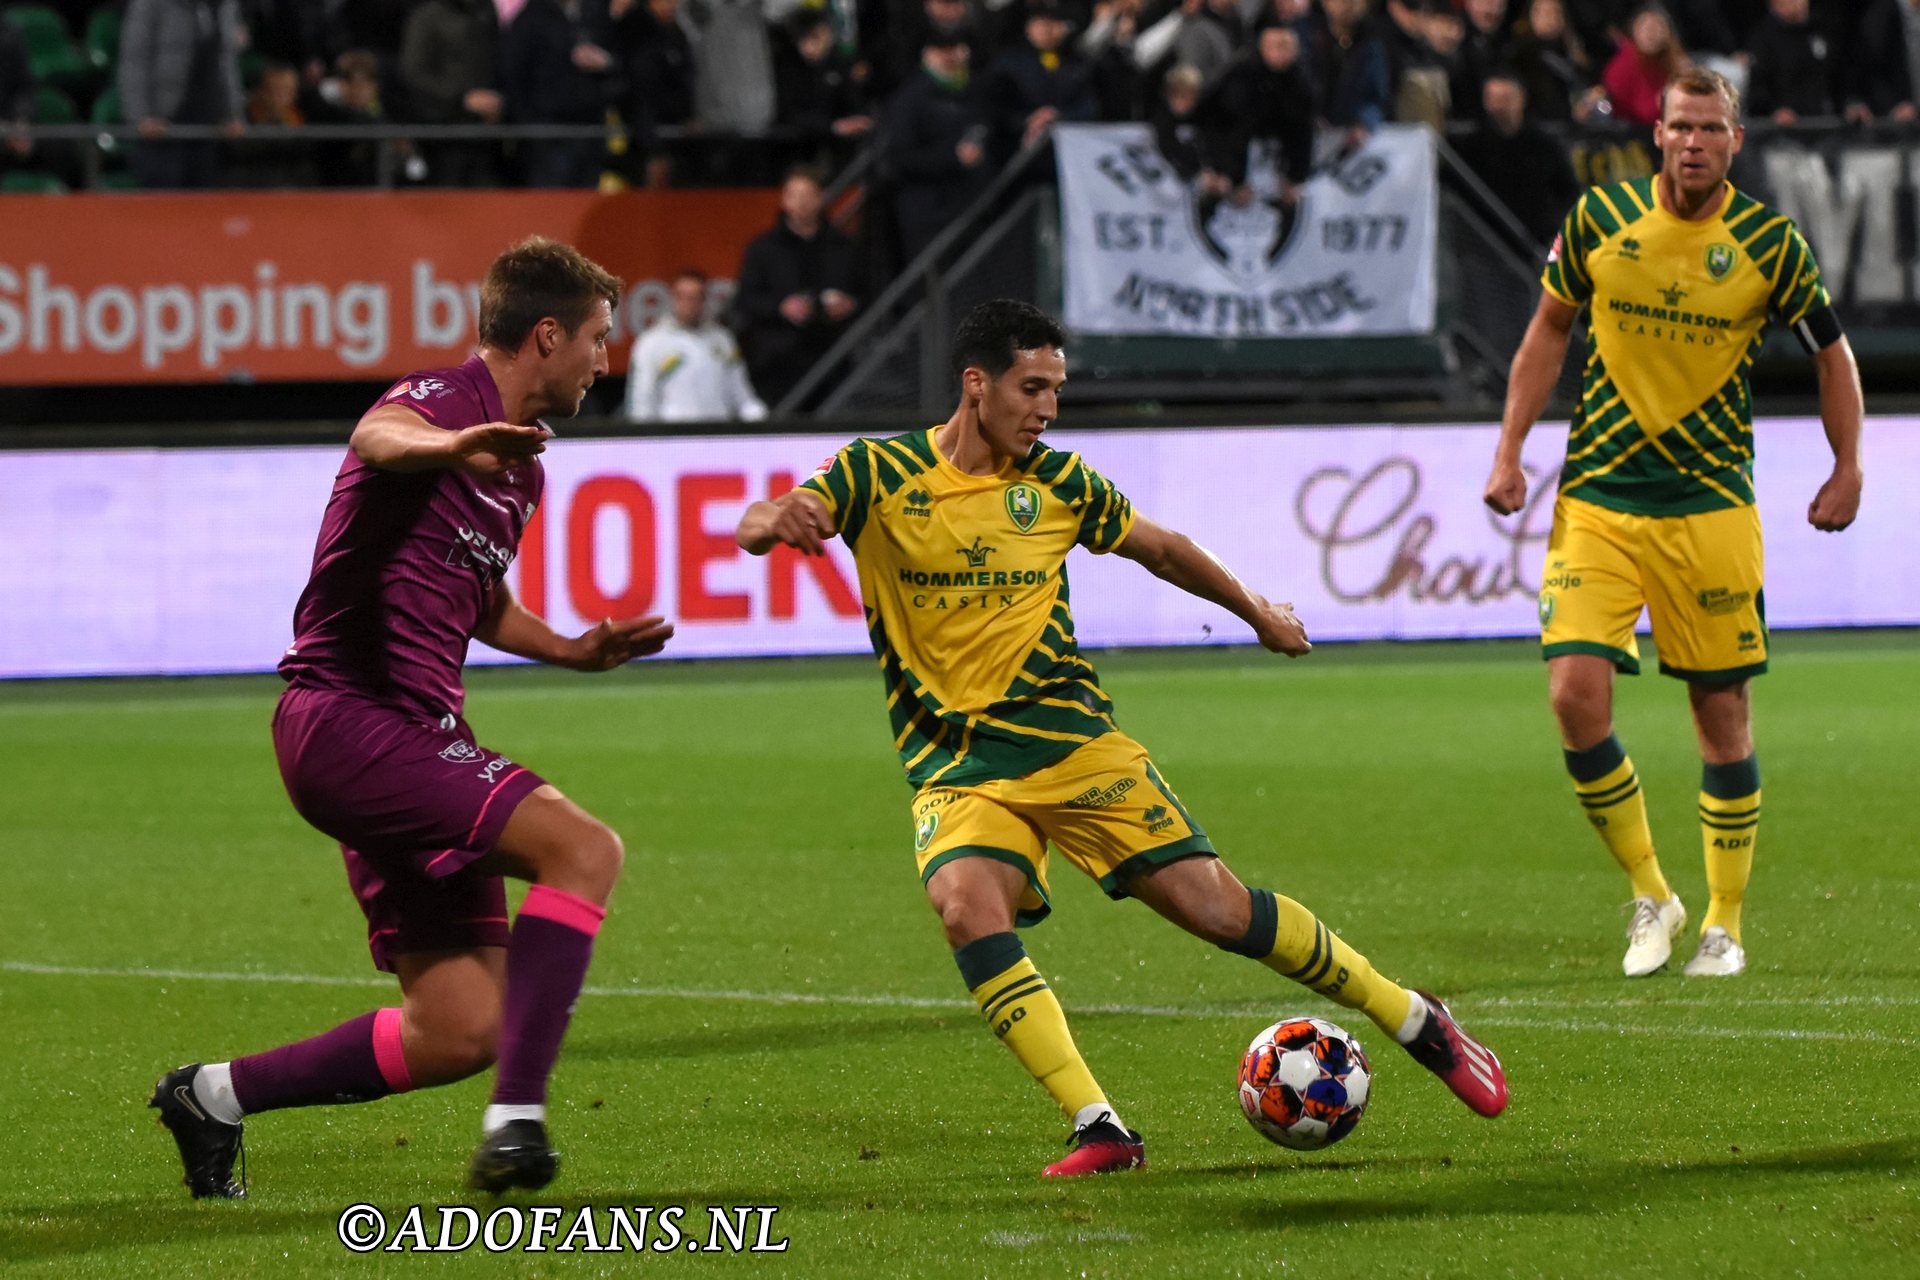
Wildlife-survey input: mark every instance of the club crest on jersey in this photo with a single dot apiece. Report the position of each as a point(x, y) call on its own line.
point(1023, 506)
point(923, 831)
point(1720, 259)
point(461, 753)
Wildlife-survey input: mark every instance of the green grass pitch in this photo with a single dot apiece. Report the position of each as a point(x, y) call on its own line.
point(773, 1019)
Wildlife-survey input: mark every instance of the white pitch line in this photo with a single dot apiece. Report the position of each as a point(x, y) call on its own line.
point(1656, 1002)
point(931, 1002)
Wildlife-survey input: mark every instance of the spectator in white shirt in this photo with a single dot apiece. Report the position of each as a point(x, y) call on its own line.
point(685, 368)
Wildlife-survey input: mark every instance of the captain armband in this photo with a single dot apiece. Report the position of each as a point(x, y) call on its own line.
point(1818, 330)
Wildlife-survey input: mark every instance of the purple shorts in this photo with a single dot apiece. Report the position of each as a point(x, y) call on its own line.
point(412, 804)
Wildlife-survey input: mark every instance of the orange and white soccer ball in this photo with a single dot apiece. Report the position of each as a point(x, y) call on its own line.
point(1304, 1083)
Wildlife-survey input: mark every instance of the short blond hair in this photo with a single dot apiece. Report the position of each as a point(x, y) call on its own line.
point(1704, 83)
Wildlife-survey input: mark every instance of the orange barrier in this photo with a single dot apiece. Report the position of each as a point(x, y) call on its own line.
point(273, 286)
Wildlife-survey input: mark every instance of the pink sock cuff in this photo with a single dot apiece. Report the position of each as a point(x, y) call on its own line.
point(563, 908)
point(387, 1051)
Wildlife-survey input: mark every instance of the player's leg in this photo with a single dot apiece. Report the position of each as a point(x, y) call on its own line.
point(1202, 896)
point(984, 872)
point(1729, 820)
point(444, 1029)
point(1591, 596)
point(572, 860)
point(1704, 592)
point(1580, 687)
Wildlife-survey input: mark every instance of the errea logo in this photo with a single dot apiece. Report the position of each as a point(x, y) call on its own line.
point(919, 503)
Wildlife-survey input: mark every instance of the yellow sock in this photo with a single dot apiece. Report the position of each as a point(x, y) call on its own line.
point(1021, 1009)
point(1729, 824)
point(1291, 941)
point(1609, 790)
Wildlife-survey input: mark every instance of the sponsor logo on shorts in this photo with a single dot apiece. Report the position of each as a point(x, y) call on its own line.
point(462, 753)
point(923, 831)
point(1101, 797)
point(1158, 819)
point(1749, 641)
point(1723, 600)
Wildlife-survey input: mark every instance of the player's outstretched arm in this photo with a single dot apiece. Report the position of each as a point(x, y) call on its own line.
point(1174, 557)
point(1536, 367)
point(1841, 408)
point(797, 519)
point(392, 438)
point(510, 628)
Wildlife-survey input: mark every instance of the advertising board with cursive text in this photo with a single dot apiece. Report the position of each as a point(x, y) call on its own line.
point(190, 560)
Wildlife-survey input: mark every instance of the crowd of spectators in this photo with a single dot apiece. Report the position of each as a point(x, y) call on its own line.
point(952, 87)
point(945, 90)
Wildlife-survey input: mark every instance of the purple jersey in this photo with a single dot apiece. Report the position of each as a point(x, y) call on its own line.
point(407, 562)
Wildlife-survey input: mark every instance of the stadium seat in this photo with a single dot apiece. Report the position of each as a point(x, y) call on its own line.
point(103, 39)
point(51, 106)
point(112, 174)
point(50, 49)
point(25, 182)
point(106, 107)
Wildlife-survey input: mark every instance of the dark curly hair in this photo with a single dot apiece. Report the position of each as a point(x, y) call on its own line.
point(994, 332)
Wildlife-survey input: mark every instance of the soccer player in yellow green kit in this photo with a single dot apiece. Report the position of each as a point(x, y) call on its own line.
point(961, 534)
point(1681, 274)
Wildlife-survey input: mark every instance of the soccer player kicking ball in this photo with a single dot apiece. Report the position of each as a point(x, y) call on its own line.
point(1656, 506)
point(961, 534)
point(439, 482)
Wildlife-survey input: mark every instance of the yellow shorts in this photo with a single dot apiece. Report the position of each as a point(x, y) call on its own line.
point(1104, 807)
point(1697, 575)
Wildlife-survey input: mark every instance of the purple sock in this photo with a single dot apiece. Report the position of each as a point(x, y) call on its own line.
point(357, 1061)
point(547, 957)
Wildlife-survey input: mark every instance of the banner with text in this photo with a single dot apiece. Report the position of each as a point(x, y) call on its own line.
point(179, 561)
point(275, 286)
point(1146, 251)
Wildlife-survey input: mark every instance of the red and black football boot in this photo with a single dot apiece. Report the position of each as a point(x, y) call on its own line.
point(1100, 1147)
point(1468, 1067)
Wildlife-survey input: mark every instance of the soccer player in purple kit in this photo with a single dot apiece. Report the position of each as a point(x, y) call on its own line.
point(440, 479)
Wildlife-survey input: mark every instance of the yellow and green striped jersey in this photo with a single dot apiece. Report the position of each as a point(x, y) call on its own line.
point(965, 584)
point(1678, 311)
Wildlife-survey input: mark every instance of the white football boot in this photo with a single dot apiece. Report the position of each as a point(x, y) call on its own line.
point(1650, 935)
point(1719, 956)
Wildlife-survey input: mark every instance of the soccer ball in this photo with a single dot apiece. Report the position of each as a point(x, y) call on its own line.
point(1304, 1083)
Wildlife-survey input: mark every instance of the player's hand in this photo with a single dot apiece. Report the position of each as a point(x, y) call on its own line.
point(1506, 488)
point(612, 644)
point(1838, 501)
point(1280, 631)
point(797, 524)
point(493, 447)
